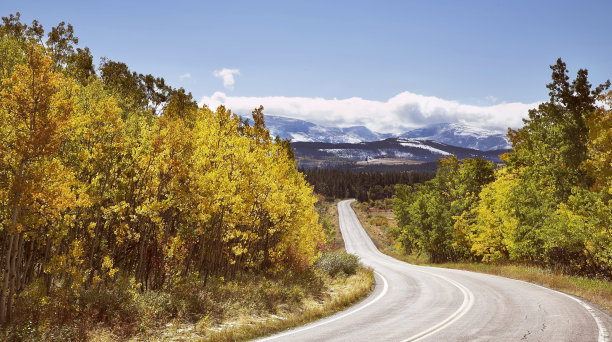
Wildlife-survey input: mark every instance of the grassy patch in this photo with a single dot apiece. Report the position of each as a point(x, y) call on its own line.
point(343, 291)
point(596, 291)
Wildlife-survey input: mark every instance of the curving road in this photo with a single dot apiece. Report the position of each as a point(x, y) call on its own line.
point(415, 303)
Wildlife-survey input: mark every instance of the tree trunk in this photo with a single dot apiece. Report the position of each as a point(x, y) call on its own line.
point(11, 293)
point(20, 264)
point(93, 249)
point(28, 270)
point(5, 285)
point(47, 277)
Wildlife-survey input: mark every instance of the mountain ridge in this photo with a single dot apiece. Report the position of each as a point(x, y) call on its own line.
point(461, 135)
point(454, 134)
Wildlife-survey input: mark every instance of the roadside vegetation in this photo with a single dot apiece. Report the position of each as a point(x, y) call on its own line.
point(379, 222)
point(327, 208)
point(129, 212)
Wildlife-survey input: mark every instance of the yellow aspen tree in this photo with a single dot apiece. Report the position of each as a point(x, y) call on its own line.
point(493, 229)
point(34, 110)
point(94, 152)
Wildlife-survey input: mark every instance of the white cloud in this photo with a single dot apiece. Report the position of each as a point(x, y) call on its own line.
point(185, 76)
point(227, 75)
point(398, 114)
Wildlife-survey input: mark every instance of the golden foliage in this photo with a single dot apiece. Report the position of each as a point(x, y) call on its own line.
point(92, 187)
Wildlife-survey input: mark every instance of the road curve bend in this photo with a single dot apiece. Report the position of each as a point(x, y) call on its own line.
point(416, 303)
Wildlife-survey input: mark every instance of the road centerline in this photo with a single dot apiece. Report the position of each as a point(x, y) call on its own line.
point(468, 302)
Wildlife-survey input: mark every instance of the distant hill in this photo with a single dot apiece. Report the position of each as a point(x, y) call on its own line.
point(389, 152)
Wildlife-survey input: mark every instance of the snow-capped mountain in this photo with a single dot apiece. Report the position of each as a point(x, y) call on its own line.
point(300, 130)
point(462, 136)
point(447, 133)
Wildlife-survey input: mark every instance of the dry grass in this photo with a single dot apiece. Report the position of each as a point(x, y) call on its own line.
point(247, 312)
point(342, 293)
point(597, 291)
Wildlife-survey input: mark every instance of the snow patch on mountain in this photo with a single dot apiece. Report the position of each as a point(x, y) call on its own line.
point(366, 154)
point(461, 135)
point(418, 144)
point(300, 130)
point(346, 153)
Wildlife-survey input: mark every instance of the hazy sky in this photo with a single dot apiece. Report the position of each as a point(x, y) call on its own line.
point(384, 64)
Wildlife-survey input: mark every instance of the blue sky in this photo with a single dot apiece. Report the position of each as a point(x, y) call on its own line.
point(464, 53)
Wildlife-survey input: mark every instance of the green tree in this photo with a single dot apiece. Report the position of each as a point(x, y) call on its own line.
point(427, 214)
point(554, 138)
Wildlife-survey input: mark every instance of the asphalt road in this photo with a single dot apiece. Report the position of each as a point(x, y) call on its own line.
point(415, 303)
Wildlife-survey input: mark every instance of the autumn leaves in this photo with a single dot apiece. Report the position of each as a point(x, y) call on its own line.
point(95, 185)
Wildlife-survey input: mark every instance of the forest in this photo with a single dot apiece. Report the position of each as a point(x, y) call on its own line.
point(364, 186)
point(108, 176)
point(549, 204)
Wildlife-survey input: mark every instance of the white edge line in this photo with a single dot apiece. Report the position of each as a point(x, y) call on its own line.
point(290, 332)
point(468, 301)
point(603, 335)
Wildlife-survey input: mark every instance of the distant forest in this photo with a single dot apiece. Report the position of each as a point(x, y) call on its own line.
point(365, 186)
point(427, 167)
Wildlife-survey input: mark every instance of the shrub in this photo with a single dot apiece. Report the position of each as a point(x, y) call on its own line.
point(334, 263)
